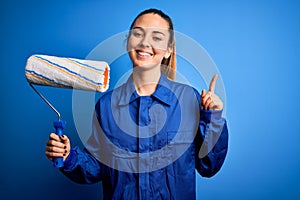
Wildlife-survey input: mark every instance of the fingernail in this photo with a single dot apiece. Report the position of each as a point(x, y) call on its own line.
point(64, 154)
point(65, 147)
point(65, 151)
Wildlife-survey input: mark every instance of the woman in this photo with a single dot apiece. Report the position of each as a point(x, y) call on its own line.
point(150, 134)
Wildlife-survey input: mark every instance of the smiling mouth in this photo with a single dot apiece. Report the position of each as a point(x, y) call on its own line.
point(144, 54)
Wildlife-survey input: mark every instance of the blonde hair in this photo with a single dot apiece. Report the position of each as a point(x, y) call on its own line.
point(168, 65)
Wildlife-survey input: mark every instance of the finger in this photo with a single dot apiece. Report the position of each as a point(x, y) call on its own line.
point(54, 136)
point(203, 93)
point(64, 139)
point(213, 83)
point(211, 106)
point(207, 103)
point(52, 155)
point(54, 143)
point(205, 98)
point(204, 103)
point(54, 152)
point(56, 149)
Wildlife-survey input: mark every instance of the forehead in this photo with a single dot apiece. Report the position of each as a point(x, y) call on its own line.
point(152, 21)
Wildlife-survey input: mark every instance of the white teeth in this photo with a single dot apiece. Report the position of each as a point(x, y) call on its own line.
point(144, 53)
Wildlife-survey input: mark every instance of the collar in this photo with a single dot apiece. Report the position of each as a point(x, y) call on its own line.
point(162, 93)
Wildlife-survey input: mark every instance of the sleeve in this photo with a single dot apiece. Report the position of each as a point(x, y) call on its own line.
point(211, 142)
point(81, 167)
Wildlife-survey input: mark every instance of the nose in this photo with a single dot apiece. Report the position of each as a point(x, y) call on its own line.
point(145, 42)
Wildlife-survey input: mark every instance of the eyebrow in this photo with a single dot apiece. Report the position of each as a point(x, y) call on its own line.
point(141, 28)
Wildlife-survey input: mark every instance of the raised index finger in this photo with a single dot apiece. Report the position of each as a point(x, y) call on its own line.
point(213, 83)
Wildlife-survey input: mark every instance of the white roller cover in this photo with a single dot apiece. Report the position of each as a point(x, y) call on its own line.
point(68, 73)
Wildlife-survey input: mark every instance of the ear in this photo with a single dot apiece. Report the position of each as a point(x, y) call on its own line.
point(168, 52)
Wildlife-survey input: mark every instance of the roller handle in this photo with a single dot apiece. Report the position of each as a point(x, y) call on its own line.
point(59, 127)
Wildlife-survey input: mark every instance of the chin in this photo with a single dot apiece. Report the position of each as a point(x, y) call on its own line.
point(146, 65)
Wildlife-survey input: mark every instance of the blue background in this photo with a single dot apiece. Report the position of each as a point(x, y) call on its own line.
point(255, 45)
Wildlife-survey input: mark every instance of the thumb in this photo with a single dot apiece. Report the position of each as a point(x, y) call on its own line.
point(64, 139)
point(203, 93)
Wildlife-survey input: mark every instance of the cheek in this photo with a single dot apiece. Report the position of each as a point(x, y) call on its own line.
point(160, 47)
point(132, 43)
point(160, 51)
point(128, 45)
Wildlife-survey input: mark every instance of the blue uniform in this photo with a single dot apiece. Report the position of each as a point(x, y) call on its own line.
point(148, 147)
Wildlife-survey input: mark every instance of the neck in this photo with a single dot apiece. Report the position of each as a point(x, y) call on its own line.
point(145, 81)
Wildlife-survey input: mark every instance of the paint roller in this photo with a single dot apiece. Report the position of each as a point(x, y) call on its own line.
point(70, 73)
